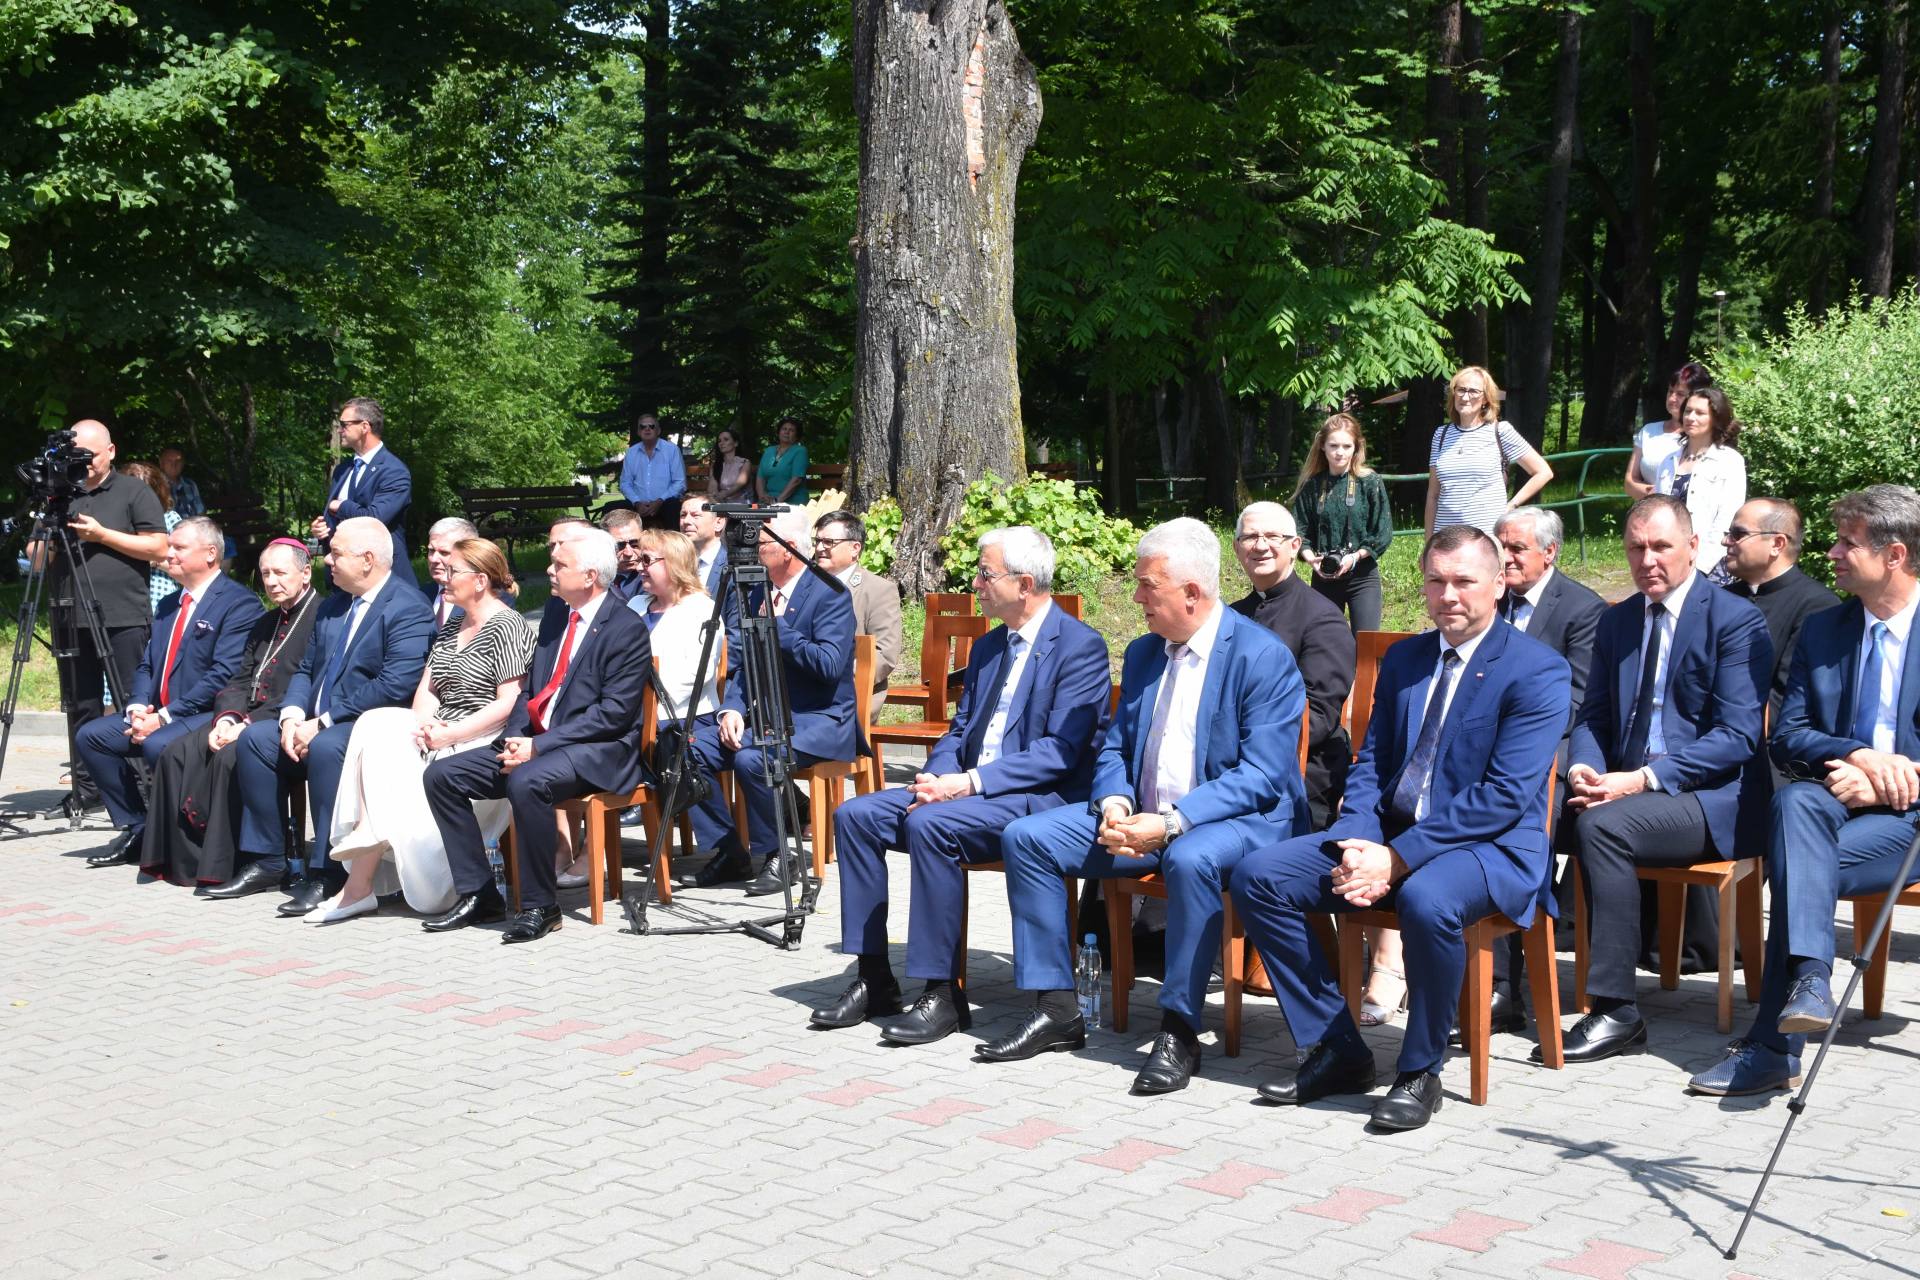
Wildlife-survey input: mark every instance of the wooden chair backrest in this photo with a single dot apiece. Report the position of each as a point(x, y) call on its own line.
point(964, 602)
point(864, 651)
point(1069, 605)
point(1373, 646)
point(1306, 727)
point(944, 648)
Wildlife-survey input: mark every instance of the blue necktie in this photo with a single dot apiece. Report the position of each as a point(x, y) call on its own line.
point(353, 480)
point(1866, 700)
point(1405, 802)
point(339, 659)
point(977, 731)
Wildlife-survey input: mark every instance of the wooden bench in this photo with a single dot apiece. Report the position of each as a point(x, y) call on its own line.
point(515, 514)
point(243, 516)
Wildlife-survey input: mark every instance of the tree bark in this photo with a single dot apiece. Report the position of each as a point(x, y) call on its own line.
point(1638, 285)
point(1549, 260)
point(647, 356)
point(1470, 329)
point(1878, 209)
point(1823, 182)
point(948, 106)
point(1426, 397)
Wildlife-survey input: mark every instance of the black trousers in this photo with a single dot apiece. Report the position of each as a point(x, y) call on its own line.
point(1652, 829)
point(1357, 594)
point(82, 682)
point(532, 790)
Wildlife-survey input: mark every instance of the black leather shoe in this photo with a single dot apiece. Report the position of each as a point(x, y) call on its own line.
point(125, 848)
point(1170, 1066)
point(306, 896)
point(1507, 1016)
point(856, 1004)
point(936, 1015)
point(531, 925)
point(722, 869)
point(1040, 1033)
point(1411, 1102)
point(768, 881)
point(484, 907)
point(1323, 1074)
point(253, 878)
point(1601, 1035)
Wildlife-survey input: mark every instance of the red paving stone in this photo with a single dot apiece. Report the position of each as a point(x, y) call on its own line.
point(561, 1030)
point(183, 946)
point(1029, 1134)
point(277, 967)
point(494, 1017)
point(627, 1043)
point(145, 935)
point(1606, 1260)
point(1350, 1204)
point(380, 992)
point(1474, 1232)
point(704, 1056)
point(227, 957)
point(935, 1114)
point(1130, 1155)
point(778, 1073)
point(434, 1004)
point(19, 908)
point(47, 922)
point(1233, 1179)
point(853, 1092)
point(336, 977)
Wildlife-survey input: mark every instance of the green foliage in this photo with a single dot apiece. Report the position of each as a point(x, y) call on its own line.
point(1829, 407)
point(883, 525)
point(1089, 546)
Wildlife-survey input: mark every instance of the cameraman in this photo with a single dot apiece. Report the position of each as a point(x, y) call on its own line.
point(121, 530)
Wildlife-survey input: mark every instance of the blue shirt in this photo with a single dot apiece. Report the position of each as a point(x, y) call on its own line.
point(655, 477)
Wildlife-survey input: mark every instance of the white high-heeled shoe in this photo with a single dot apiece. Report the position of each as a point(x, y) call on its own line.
point(334, 913)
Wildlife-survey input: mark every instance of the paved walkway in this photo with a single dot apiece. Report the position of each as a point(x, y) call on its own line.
point(201, 1089)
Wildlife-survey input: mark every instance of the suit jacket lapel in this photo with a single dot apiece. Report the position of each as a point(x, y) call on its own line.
point(1210, 690)
point(1143, 714)
point(1030, 677)
point(1414, 709)
point(1626, 672)
point(1692, 619)
point(988, 684)
point(1472, 681)
point(1853, 629)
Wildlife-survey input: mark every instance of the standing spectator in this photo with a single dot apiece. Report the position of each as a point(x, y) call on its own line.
point(1706, 473)
point(1340, 508)
point(186, 494)
point(1471, 452)
point(729, 469)
point(1662, 436)
point(370, 483)
point(783, 467)
point(160, 583)
point(654, 477)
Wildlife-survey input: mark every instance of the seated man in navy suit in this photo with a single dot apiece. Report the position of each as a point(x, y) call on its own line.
point(816, 652)
point(198, 636)
point(1848, 742)
point(1673, 715)
point(1200, 766)
point(1444, 821)
point(372, 483)
point(369, 645)
point(1021, 742)
point(574, 731)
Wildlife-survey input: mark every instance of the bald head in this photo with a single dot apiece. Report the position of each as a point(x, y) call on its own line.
point(88, 433)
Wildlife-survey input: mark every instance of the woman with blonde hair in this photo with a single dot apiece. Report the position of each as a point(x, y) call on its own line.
point(475, 672)
point(1471, 451)
point(1345, 524)
point(675, 606)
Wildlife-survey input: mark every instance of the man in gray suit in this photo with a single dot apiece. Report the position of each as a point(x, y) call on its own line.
point(838, 537)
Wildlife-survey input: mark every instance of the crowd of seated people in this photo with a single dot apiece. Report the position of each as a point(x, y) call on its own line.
point(413, 724)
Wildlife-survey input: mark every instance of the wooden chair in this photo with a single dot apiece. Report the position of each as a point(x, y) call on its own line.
point(1120, 894)
point(827, 780)
point(1873, 986)
point(1372, 646)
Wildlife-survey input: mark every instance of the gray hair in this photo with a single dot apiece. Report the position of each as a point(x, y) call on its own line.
point(619, 517)
point(1025, 550)
point(595, 549)
point(298, 550)
point(360, 534)
point(1268, 511)
point(1890, 512)
point(204, 531)
point(457, 527)
point(792, 525)
point(1191, 550)
point(1548, 528)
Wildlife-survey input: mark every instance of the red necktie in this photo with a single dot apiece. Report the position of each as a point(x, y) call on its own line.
point(537, 705)
point(173, 644)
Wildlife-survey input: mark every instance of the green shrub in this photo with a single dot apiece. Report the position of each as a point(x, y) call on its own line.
point(1830, 406)
point(883, 524)
point(1089, 545)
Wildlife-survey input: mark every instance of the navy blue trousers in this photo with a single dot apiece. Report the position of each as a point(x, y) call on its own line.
point(1275, 888)
point(266, 777)
point(107, 754)
point(938, 839)
point(712, 822)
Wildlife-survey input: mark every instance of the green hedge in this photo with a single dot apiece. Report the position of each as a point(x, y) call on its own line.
point(1089, 545)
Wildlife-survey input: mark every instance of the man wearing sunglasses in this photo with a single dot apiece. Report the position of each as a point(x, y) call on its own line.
point(372, 482)
point(624, 527)
point(1763, 554)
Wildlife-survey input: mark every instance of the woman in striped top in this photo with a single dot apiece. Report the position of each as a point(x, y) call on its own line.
point(1472, 449)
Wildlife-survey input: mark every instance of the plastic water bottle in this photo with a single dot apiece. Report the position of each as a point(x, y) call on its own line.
point(1086, 982)
point(499, 865)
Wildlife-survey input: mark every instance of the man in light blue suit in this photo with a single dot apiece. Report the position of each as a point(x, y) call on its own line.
point(1200, 766)
point(1444, 820)
point(1675, 703)
point(815, 633)
point(371, 483)
point(1848, 742)
point(1020, 743)
point(369, 646)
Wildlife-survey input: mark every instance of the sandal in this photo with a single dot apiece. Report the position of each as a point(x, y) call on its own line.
point(1374, 1009)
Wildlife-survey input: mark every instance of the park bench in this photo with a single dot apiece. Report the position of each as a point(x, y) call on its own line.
point(515, 514)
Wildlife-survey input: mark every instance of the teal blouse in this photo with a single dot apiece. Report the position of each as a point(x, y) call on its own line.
point(776, 470)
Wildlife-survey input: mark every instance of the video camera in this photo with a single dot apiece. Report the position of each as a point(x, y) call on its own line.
point(57, 474)
point(744, 522)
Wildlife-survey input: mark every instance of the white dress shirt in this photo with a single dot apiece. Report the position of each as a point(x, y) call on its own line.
point(1656, 731)
point(1466, 651)
point(196, 595)
point(1529, 600)
point(1018, 654)
point(1893, 662)
point(1166, 774)
point(358, 612)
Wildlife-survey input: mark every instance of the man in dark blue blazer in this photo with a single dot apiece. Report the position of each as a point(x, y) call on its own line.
point(1021, 742)
point(1674, 712)
point(1200, 766)
point(198, 637)
point(1444, 820)
point(574, 731)
point(708, 529)
point(371, 483)
point(369, 646)
point(1848, 742)
point(815, 633)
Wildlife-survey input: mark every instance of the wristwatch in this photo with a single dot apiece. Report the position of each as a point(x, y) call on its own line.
point(1176, 825)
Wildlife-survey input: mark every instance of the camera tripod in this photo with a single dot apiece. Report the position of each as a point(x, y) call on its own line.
point(51, 534)
point(769, 727)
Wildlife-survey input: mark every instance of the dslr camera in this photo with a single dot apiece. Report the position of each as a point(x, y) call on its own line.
point(56, 474)
point(1330, 564)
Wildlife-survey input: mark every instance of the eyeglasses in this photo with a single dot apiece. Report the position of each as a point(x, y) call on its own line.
point(628, 545)
point(1737, 534)
point(1271, 539)
point(985, 578)
point(453, 573)
point(1468, 393)
point(822, 544)
point(350, 422)
point(647, 562)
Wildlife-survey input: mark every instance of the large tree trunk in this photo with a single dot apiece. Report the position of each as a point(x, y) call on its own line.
point(1426, 397)
point(1823, 183)
point(1638, 286)
point(1470, 326)
point(1531, 414)
point(1879, 194)
point(647, 368)
point(948, 106)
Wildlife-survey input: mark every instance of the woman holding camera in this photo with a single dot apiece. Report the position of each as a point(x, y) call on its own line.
point(1340, 507)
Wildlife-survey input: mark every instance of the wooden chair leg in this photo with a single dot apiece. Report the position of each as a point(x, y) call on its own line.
point(960, 961)
point(510, 858)
point(1476, 1029)
point(1543, 980)
point(596, 835)
point(1873, 986)
point(1729, 926)
point(1673, 920)
point(1350, 968)
point(1581, 955)
point(1233, 947)
point(663, 881)
point(1120, 944)
point(816, 815)
point(1753, 942)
